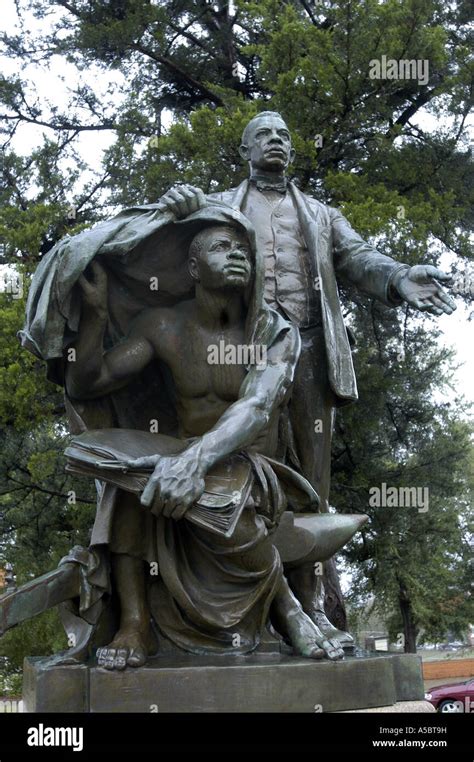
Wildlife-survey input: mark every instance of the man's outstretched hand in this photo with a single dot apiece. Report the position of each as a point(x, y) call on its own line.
point(182, 200)
point(420, 287)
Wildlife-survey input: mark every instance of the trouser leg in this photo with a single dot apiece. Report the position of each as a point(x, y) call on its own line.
point(312, 415)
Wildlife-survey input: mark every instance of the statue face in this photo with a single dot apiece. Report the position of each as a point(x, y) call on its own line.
point(224, 260)
point(269, 144)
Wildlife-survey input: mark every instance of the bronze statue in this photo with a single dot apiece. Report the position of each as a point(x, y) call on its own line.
point(308, 247)
point(218, 585)
point(214, 592)
point(203, 466)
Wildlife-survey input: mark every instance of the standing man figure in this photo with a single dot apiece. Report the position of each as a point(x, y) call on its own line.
point(309, 247)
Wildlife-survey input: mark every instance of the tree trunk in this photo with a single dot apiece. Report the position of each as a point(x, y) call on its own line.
point(410, 629)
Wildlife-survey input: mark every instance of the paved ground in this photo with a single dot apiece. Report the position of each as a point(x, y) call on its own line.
point(401, 707)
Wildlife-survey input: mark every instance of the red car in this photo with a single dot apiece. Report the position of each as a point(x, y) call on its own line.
point(453, 698)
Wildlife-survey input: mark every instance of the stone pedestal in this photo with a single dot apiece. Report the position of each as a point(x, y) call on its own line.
point(261, 682)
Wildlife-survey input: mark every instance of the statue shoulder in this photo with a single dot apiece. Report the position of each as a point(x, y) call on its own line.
point(155, 319)
point(225, 196)
point(318, 207)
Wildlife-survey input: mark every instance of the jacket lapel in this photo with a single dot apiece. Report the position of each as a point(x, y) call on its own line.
point(316, 235)
point(239, 195)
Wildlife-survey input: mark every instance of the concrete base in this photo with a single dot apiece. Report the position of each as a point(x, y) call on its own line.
point(261, 682)
point(401, 707)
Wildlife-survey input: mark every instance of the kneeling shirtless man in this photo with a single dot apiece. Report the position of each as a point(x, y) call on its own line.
point(210, 587)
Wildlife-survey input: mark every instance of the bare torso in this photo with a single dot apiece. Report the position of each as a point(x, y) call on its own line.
point(204, 389)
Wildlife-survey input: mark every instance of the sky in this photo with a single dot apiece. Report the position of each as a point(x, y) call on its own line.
point(53, 82)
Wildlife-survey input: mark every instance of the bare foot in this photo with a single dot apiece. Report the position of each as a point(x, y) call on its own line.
point(308, 640)
point(332, 633)
point(128, 648)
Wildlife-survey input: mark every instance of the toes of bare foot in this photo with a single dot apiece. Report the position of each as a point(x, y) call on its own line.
point(333, 649)
point(126, 650)
point(316, 653)
point(107, 659)
point(112, 658)
point(137, 657)
point(121, 658)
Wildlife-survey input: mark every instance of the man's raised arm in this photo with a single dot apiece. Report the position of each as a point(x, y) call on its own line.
point(380, 276)
point(93, 373)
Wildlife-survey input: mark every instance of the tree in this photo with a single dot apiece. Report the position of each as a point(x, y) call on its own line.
point(414, 553)
point(43, 512)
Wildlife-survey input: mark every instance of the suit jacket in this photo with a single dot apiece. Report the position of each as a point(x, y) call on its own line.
point(336, 251)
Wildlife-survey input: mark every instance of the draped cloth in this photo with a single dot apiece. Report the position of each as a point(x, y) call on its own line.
point(215, 593)
point(144, 253)
point(212, 593)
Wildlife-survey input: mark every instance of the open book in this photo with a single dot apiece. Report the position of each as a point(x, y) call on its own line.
point(102, 454)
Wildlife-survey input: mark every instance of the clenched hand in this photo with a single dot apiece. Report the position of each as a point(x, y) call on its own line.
point(182, 200)
point(94, 292)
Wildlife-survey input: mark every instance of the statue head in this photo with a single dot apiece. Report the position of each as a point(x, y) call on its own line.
point(266, 143)
point(220, 258)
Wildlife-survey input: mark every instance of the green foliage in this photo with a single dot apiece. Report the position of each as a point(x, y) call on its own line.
point(25, 395)
point(41, 636)
point(414, 559)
